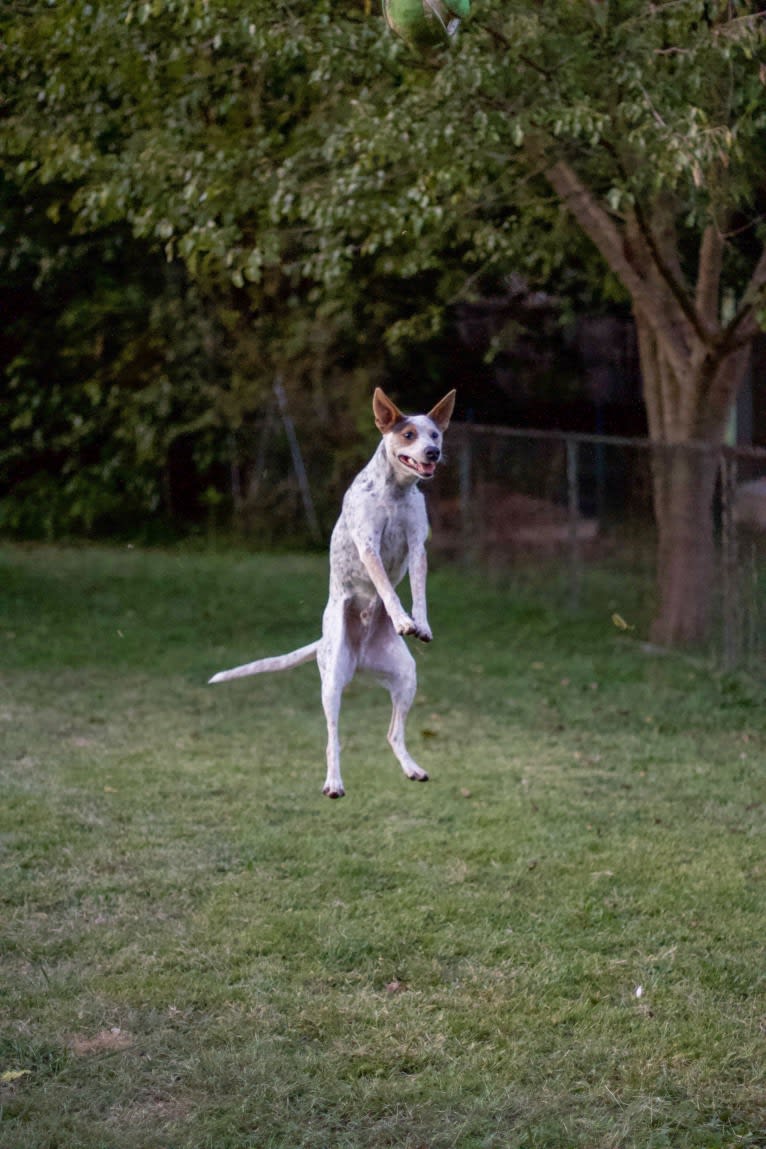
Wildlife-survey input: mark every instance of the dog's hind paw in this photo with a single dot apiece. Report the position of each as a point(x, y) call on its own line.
point(421, 776)
point(334, 792)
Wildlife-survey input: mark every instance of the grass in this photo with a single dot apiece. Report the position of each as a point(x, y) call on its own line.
point(558, 942)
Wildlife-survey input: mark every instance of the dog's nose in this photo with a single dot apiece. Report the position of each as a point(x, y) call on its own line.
point(433, 454)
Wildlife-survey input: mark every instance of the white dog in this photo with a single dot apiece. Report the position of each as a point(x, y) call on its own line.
point(380, 535)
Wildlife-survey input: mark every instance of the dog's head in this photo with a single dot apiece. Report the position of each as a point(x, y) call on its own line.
point(413, 442)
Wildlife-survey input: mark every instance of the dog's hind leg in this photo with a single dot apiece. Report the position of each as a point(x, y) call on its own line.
point(394, 667)
point(337, 662)
point(402, 696)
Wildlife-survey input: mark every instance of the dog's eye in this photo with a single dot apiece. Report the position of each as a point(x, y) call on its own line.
point(409, 436)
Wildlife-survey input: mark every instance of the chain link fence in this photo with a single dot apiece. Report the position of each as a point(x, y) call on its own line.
point(570, 516)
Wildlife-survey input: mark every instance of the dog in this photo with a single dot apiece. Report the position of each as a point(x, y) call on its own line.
point(380, 536)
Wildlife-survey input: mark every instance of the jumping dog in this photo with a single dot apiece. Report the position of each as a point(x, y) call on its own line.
point(380, 535)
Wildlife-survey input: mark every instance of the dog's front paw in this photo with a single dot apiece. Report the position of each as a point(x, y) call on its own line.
point(405, 625)
point(423, 632)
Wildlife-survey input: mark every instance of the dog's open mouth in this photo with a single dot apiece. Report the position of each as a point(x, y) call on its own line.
point(425, 470)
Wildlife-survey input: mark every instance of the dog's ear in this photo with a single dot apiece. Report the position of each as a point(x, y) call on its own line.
point(386, 412)
point(442, 412)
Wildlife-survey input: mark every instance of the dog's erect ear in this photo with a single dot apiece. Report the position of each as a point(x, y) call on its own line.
point(442, 412)
point(386, 412)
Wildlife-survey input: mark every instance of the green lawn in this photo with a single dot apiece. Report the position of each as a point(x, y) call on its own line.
point(558, 942)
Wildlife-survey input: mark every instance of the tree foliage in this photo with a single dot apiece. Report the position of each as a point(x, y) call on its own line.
point(246, 137)
point(346, 186)
point(106, 357)
point(167, 121)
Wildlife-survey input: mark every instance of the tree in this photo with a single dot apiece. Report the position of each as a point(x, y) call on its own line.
point(644, 125)
point(261, 140)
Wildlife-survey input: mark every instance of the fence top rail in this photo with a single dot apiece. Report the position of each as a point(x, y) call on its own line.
point(739, 452)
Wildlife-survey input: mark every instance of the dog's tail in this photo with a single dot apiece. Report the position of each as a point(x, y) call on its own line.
point(264, 665)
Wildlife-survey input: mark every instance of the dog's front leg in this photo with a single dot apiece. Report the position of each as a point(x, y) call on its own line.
point(418, 573)
point(403, 623)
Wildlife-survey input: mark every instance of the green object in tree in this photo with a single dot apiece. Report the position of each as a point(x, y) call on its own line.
point(425, 23)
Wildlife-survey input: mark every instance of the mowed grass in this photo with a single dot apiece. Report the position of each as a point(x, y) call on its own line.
point(557, 942)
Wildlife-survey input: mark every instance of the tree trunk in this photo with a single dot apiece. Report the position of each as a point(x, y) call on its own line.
point(687, 419)
point(685, 480)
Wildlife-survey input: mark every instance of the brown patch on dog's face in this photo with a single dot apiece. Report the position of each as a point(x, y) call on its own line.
point(405, 431)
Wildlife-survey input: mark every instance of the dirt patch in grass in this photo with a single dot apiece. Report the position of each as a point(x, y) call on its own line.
point(105, 1041)
point(150, 1112)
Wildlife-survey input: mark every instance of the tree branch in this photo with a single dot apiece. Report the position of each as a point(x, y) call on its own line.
point(595, 222)
point(709, 275)
point(603, 232)
point(744, 325)
point(721, 389)
point(501, 38)
point(677, 289)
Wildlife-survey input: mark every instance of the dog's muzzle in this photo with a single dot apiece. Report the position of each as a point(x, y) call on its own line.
point(425, 469)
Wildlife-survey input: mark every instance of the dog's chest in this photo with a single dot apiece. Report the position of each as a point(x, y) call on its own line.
point(394, 543)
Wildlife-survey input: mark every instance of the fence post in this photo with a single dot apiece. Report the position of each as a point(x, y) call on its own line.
point(298, 464)
point(573, 502)
point(732, 629)
point(465, 472)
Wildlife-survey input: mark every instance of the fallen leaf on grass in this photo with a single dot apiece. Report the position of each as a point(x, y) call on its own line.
point(11, 1075)
point(620, 622)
